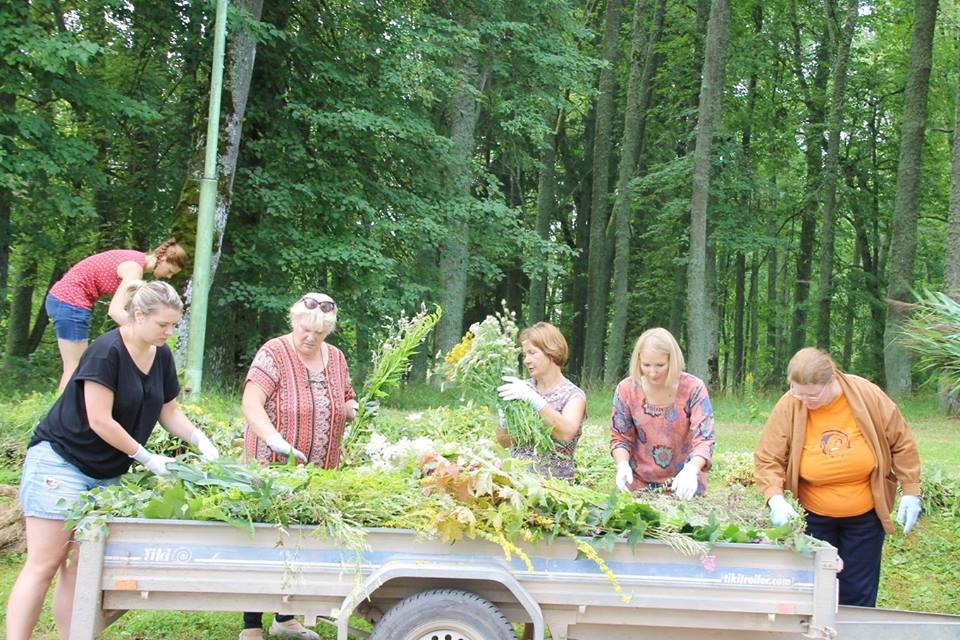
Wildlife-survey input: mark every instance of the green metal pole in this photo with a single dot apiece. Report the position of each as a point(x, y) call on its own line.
point(200, 286)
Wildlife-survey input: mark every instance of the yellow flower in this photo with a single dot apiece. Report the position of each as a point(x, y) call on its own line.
point(460, 349)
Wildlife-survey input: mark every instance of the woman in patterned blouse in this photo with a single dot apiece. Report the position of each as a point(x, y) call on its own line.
point(561, 404)
point(662, 421)
point(297, 398)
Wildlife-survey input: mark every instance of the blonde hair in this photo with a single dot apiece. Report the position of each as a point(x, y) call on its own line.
point(149, 297)
point(314, 318)
point(547, 338)
point(171, 252)
point(810, 366)
point(658, 340)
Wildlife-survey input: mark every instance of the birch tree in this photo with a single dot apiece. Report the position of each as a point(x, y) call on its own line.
point(240, 54)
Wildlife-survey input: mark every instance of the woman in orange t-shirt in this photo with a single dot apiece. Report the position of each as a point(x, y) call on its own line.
point(840, 444)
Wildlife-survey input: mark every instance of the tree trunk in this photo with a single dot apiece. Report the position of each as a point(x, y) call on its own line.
point(642, 66)
point(834, 122)
point(753, 299)
point(699, 316)
point(814, 92)
point(739, 327)
point(598, 262)
point(951, 258)
point(454, 251)
point(739, 306)
point(903, 238)
point(578, 232)
point(240, 53)
point(849, 314)
point(546, 204)
point(865, 218)
point(950, 402)
point(772, 373)
point(21, 310)
point(8, 104)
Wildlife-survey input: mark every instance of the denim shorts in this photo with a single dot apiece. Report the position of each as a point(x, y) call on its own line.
point(70, 322)
point(49, 485)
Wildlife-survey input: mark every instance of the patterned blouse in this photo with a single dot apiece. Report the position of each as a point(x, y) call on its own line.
point(94, 277)
point(560, 462)
point(307, 408)
point(662, 438)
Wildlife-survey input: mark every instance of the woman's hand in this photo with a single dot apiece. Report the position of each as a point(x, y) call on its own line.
point(154, 462)
point(624, 475)
point(516, 389)
point(780, 510)
point(909, 512)
point(281, 447)
point(200, 440)
point(686, 482)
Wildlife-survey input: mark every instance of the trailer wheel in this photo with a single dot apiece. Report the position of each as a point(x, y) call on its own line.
point(443, 614)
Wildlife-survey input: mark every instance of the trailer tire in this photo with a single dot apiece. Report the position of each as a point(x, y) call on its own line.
point(443, 614)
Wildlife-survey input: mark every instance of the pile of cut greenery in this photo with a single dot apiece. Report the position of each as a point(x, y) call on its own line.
point(439, 473)
point(477, 365)
point(439, 488)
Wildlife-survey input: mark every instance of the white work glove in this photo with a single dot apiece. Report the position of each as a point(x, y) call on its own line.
point(624, 475)
point(780, 510)
point(200, 440)
point(516, 389)
point(281, 447)
point(154, 462)
point(908, 512)
point(685, 483)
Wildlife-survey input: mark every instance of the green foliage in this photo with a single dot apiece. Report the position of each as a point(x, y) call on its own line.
point(457, 422)
point(477, 365)
point(932, 331)
point(940, 491)
point(19, 415)
point(390, 364)
point(219, 419)
point(340, 503)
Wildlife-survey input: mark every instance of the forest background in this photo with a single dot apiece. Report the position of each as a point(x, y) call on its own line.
point(756, 176)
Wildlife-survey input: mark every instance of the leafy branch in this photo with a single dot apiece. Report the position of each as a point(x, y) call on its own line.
point(932, 331)
point(391, 363)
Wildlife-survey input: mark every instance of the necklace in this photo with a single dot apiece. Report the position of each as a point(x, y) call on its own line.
point(318, 362)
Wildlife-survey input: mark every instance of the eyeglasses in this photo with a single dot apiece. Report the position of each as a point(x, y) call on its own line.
point(326, 306)
point(808, 396)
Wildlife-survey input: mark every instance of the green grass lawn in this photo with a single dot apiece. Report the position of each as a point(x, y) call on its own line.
point(921, 570)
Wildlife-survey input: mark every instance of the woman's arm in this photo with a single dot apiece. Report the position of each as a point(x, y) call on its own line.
point(128, 272)
point(772, 451)
point(702, 434)
point(175, 421)
point(622, 431)
point(253, 405)
point(566, 424)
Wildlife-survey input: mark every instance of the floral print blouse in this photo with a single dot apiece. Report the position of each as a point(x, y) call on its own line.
point(661, 438)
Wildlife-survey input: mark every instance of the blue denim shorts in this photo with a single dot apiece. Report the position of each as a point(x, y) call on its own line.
point(69, 321)
point(49, 485)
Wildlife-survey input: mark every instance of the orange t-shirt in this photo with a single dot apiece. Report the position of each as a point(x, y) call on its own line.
point(836, 463)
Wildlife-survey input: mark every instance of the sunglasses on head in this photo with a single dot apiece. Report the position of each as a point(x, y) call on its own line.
point(312, 303)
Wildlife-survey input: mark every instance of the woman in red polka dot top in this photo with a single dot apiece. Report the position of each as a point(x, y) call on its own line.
point(71, 299)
